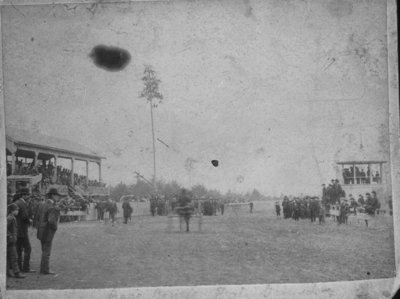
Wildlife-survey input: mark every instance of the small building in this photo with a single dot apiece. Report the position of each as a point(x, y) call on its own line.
point(361, 177)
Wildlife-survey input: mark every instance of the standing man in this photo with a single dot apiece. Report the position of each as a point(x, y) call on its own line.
point(277, 209)
point(24, 220)
point(321, 214)
point(324, 194)
point(346, 209)
point(361, 200)
point(390, 204)
point(127, 210)
point(153, 206)
point(314, 209)
point(12, 257)
point(112, 210)
point(185, 209)
point(222, 207)
point(353, 204)
point(372, 203)
point(49, 214)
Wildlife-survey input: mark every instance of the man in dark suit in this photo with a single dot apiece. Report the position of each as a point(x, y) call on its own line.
point(111, 207)
point(24, 220)
point(127, 210)
point(185, 209)
point(49, 215)
point(372, 203)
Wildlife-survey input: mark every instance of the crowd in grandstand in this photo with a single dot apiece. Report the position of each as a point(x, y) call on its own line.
point(48, 172)
point(96, 183)
point(63, 176)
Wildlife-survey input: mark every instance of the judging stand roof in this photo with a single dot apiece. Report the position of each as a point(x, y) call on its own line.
point(33, 139)
point(361, 162)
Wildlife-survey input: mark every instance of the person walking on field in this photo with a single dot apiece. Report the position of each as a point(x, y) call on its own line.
point(24, 220)
point(277, 209)
point(12, 241)
point(49, 214)
point(184, 208)
point(127, 210)
point(321, 213)
point(112, 209)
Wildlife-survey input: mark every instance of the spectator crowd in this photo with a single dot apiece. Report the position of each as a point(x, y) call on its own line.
point(333, 201)
point(48, 172)
point(358, 175)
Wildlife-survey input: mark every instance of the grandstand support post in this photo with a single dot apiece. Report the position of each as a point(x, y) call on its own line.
point(72, 171)
point(87, 173)
point(35, 156)
point(13, 163)
point(55, 168)
point(100, 180)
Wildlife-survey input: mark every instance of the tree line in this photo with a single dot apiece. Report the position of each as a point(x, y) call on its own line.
point(142, 189)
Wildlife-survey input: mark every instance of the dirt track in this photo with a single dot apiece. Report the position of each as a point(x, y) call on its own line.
point(243, 249)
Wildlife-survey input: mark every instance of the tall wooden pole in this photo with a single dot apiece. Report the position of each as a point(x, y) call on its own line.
point(154, 146)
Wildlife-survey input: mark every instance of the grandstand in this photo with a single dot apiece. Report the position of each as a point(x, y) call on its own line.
point(33, 162)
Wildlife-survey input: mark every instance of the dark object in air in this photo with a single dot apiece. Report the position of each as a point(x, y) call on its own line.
point(214, 163)
point(110, 58)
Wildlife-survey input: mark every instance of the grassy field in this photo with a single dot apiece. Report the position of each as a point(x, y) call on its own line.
point(231, 249)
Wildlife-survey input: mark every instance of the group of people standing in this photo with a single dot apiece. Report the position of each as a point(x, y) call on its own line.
point(302, 208)
point(333, 199)
point(107, 206)
point(23, 213)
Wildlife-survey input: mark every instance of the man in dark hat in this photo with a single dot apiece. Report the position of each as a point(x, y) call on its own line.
point(314, 209)
point(185, 209)
point(372, 203)
point(324, 197)
point(361, 200)
point(49, 214)
point(112, 209)
point(24, 220)
point(127, 208)
point(12, 232)
point(277, 209)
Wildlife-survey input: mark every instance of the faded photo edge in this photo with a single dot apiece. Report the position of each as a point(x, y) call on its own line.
point(377, 288)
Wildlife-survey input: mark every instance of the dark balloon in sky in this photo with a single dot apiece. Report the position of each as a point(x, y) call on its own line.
point(214, 163)
point(110, 58)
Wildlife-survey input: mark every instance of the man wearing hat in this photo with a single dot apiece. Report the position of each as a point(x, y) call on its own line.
point(12, 231)
point(371, 203)
point(49, 214)
point(24, 220)
point(277, 209)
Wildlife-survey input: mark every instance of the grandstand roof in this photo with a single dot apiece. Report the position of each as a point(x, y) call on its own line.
point(35, 139)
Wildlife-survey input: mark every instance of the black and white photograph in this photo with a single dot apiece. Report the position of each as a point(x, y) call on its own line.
point(197, 143)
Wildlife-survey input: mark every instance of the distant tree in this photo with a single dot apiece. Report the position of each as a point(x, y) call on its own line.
point(171, 189)
point(255, 195)
point(118, 191)
point(214, 194)
point(141, 189)
point(199, 191)
point(154, 97)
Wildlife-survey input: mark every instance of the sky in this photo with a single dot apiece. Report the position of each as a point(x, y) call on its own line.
point(276, 91)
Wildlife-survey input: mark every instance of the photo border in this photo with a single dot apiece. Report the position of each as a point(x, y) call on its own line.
point(372, 288)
